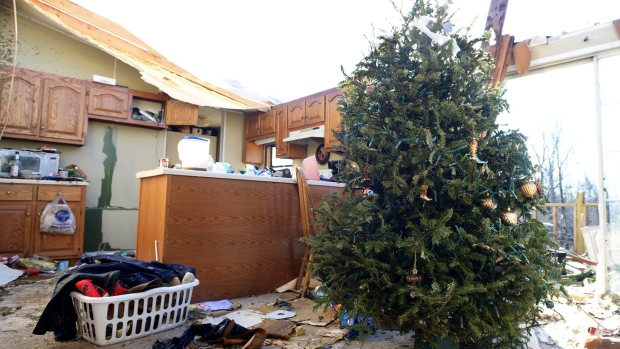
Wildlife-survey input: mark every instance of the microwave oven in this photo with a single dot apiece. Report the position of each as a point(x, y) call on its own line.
point(39, 163)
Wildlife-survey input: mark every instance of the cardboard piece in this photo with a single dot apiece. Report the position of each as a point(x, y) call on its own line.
point(278, 328)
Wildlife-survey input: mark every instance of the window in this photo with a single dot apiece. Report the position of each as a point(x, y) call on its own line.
point(276, 163)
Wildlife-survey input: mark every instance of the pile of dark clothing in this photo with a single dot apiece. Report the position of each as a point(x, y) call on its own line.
point(108, 272)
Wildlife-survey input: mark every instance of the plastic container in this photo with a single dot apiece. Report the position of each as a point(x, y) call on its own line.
point(110, 320)
point(194, 153)
point(210, 163)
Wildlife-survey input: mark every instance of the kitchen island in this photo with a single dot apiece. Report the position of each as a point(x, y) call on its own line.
point(240, 232)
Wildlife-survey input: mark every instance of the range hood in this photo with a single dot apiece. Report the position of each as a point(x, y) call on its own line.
point(303, 135)
point(265, 140)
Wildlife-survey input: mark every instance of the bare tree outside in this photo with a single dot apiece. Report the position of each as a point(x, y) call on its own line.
point(554, 156)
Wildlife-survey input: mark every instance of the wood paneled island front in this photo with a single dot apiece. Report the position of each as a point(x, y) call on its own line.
point(241, 233)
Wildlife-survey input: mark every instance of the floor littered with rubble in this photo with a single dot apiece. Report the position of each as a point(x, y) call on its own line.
point(566, 326)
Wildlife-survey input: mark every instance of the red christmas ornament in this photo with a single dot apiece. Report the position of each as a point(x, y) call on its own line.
point(539, 189)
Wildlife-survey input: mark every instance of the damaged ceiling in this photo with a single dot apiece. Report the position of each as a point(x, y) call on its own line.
point(113, 39)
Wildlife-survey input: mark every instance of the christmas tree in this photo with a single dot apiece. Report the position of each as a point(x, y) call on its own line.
point(434, 231)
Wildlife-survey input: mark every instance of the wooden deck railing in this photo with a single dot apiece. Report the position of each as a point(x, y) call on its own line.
point(580, 219)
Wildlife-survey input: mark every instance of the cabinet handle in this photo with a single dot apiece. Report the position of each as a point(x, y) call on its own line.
point(39, 214)
point(8, 192)
point(59, 193)
point(28, 214)
point(43, 127)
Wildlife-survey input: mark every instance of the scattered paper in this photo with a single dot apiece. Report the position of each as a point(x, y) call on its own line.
point(7, 274)
point(280, 314)
point(245, 318)
point(224, 304)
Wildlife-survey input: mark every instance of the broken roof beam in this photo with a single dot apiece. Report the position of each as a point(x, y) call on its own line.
point(120, 43)
point(502, 48)
point(495, 21)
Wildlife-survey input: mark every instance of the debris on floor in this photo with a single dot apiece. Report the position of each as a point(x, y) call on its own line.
point(583, 318)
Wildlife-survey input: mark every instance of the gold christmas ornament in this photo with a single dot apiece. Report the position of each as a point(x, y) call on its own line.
point(509, 218)
point(473, 148)
point(528, 189)
point(488, 204)
point(423, 194)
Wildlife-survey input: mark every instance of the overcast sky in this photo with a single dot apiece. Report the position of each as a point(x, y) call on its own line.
point(292, 48)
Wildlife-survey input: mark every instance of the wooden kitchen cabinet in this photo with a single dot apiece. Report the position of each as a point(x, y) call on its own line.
point(260, 125)
point(181, 113)
point(308, 112)
point(286, 150)
point(21, 206)
point(44, 107)
point(332, 119)
point(16, 211)
point(114, 104)
point(253, 153)
point(24, 112)
point(63, 118)
point(252, 126)
point(257, 126)
point(108, 102)
point(60, 246)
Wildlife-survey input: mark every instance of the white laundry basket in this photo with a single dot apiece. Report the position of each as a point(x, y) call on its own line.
point(109, 320)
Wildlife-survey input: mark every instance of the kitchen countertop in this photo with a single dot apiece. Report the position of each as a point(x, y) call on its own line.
point(42, 181)
point(191, 173)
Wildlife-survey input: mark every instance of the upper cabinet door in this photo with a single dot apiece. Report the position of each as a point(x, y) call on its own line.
point(267, 123)
point(332, 119)
point(181, 113)
point(252, 126)
point(63, 111)
point(23, 112)
point(282, 148)
point(296, 114)
point(109, 102)
point(315, 111)
point(309, 112)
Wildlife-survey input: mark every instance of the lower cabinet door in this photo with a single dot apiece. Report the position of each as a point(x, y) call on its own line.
point(15, 229)
point(59, 245)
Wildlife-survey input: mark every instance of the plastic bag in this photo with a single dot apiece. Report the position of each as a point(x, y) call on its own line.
point(36, 264)
point(57, 217)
